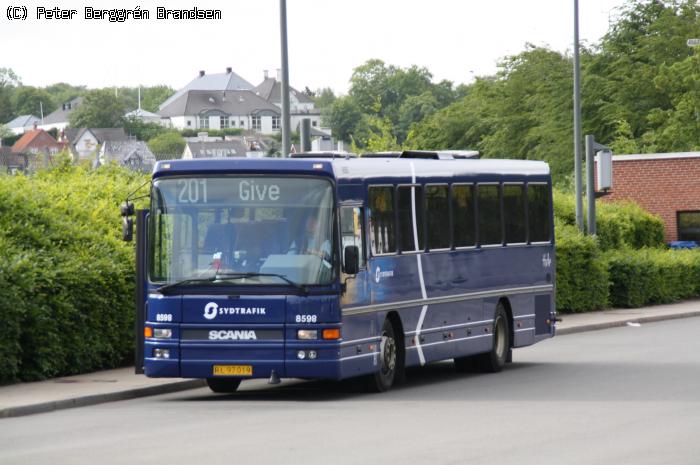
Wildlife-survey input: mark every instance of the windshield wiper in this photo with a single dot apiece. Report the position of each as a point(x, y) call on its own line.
point(167, 287)
point(253, 274)
point(227, 276)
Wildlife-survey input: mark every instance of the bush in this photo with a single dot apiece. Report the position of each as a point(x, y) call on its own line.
point(212, 132)
point(653, 276)
point(619, 224)
point(582, 277)
point(66, 278)
point(167, 145)
point(626, 224)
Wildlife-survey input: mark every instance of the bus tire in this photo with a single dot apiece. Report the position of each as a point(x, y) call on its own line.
point(494, 360)
point(223, 385)
point(389, 358)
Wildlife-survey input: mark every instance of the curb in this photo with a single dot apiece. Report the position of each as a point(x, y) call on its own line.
point(84, 401)
point(185, 385)
point(619, 323)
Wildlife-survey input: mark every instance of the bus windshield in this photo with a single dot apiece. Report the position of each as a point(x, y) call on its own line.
point(265, 228)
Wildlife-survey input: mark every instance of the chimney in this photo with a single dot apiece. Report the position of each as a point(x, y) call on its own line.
point(228, 70)
point(265, 73)
point(201, 73)
point(279, 74)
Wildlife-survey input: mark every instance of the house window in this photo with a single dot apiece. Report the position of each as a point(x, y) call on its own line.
point(314, 123)
point(689, 226)
point(275, 122)
point(242, 123)
point(204, 122)
point(224, 122)
point(256, 123)
point(189, 123)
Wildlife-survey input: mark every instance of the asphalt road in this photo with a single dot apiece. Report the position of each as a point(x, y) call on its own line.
point(620, 396)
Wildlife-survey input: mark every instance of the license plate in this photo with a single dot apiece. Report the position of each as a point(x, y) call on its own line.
point(233, 370)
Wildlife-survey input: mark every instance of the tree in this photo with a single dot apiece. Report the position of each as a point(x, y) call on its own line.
point(99, 109)
point(28, 100)
point(8, 81)
point(141, 130)
point(62, 92)
point(170, 144)
point(152, 97)
point(324, 98)
point(4, 132)
point(343, 116)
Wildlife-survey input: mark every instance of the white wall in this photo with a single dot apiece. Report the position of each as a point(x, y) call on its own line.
point(86, 145)
point(266, 125)
point(58, 126)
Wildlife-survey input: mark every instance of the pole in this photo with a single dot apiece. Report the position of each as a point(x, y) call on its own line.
point(305, 135)
point(590, 186)
point(577, 124)
point(286, 139)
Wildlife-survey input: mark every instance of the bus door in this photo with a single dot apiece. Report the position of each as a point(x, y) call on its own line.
point(351, 231)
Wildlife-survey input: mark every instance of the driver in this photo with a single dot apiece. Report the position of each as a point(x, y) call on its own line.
point(310, 243)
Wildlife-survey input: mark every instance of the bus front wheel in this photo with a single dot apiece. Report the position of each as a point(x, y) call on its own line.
point(223, 385)
point(389, 359)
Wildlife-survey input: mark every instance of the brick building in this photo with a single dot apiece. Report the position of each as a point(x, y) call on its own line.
point(665, 184)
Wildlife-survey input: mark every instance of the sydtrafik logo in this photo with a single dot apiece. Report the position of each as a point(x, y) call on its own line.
point(212, 309)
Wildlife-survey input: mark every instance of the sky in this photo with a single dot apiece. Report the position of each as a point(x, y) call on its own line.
point(456, 40)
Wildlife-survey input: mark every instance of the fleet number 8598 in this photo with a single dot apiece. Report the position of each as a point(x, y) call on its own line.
point(306, 318)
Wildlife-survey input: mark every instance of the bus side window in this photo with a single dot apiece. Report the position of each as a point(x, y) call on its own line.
point(514, 213)
point(538, 212)
point(382, 227)
point(351, 231)
point(411, 234)
point(464, 228)
point(489, 208)
point(438, 213)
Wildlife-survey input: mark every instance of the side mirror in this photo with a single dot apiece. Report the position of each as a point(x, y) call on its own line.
point(127, 229)
point(352, 259)
point(127, 208)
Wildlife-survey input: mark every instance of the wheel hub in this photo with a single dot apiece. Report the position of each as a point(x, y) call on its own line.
point(388, 353)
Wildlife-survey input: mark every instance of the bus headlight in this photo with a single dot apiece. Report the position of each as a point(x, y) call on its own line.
point(161, 353)
point(162, 333)
point(307, 334)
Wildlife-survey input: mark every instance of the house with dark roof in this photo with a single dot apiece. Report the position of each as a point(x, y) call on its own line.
point(131, 153)
point(23, 123)
point(86, 142)
point(214, 149)
point(226, 100)
point(59, 118)
point(215, 109)
point(221, 81)
point(300, 105)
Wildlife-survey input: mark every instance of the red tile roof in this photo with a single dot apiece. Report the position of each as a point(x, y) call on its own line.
point(36, 139)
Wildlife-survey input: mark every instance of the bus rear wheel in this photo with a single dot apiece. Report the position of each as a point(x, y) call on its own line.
point(223, 385)
point(384, 378)
point(494, 360)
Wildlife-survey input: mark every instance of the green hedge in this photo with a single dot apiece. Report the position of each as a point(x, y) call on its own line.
point(212, 132)
point(653, 276)
point(582, 276)
point(619, 224)
point(66, 278)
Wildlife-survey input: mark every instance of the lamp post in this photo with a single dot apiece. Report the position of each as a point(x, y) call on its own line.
point(577, 124)
point(286, 142)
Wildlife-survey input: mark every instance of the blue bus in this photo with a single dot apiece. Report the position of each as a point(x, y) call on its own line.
point(332, 267)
